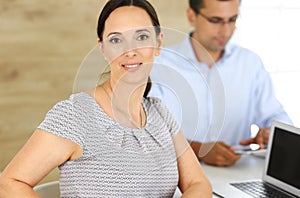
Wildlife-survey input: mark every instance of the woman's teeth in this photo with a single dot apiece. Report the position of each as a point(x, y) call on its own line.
point(131, 66)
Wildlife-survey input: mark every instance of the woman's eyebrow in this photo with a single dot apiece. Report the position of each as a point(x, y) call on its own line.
point(118, 33)
point(142, 30)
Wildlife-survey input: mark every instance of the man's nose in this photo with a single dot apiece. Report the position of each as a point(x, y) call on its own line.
point(226, 29)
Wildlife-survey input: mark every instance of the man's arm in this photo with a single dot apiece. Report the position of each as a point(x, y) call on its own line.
point(215, 153)
point(261, 138)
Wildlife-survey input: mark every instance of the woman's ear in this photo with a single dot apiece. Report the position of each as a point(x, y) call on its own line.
point(159, 44)
point(100, 44)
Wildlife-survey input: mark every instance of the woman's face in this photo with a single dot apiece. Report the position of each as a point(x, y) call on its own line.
point(130, 44)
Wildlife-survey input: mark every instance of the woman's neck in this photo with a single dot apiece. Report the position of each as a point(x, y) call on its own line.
point(127, 96)
point(125, 102)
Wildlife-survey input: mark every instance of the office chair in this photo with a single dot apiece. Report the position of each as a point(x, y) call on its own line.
point(48, 190)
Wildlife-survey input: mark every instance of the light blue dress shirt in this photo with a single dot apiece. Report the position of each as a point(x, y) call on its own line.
point(218, 103)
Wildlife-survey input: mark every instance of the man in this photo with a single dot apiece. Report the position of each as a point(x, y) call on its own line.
point(230, 88)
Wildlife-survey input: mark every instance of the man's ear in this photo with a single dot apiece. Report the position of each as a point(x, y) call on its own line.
point(159, 44)
point(191, 16)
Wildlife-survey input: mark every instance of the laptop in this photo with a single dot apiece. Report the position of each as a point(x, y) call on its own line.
point(281, 173)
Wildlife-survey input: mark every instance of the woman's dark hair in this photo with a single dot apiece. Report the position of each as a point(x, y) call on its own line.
point(111, 5)
point(148, 87)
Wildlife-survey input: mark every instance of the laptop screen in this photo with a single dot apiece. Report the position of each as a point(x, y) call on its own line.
point(284, 160)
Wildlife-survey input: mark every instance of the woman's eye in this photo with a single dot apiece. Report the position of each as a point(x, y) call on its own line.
point(142, 37)
point(115, 40)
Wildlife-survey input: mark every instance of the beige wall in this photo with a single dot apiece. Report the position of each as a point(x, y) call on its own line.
point(42, 44)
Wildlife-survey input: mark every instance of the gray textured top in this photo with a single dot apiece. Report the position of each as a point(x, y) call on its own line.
point(117, 161)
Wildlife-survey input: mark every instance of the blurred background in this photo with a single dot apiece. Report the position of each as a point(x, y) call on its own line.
point(42, 45)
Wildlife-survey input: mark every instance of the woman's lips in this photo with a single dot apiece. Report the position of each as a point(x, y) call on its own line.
point(132, 66)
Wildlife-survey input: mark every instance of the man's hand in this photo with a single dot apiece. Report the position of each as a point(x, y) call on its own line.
point(215, 153)
point(261, 138)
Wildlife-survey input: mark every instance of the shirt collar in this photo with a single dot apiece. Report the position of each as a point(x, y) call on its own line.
point(188, 50)
point(227, 51)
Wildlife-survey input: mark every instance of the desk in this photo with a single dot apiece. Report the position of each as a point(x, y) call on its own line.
point(247, 167)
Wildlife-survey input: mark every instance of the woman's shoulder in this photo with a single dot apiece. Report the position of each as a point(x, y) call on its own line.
point(78, 98)
point(151, 100)
point(155, 103)
point(75, 102)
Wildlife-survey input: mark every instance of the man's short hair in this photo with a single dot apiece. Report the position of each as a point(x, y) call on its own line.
point(196, 5)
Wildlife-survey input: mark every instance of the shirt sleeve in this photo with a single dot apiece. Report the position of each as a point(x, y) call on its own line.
point(170, 121)
point(64, 120)
point(268, 106)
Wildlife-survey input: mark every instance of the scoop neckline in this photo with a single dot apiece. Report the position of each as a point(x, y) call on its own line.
point(117, 123)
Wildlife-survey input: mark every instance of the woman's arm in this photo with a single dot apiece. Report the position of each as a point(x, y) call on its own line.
point(192, 180)
point(42, 153)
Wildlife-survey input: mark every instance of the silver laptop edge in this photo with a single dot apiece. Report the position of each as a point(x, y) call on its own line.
point(269, 179)
point(226, 190)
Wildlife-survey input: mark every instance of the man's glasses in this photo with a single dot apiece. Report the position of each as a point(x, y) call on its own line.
point(219, 21)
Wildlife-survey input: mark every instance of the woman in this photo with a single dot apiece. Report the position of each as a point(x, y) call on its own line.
point(112, 141)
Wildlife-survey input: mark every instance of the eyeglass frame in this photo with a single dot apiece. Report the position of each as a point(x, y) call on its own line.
point(218, 20)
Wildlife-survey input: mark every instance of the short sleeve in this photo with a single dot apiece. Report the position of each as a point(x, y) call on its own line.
point(64, 120)
point(168, 118)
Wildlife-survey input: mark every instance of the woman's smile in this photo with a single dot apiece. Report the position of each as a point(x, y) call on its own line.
point(131, 67)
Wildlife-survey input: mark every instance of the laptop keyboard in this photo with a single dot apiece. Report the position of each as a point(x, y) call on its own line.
point(259, 189)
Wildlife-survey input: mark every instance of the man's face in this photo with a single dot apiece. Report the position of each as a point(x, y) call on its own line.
point(215, 23)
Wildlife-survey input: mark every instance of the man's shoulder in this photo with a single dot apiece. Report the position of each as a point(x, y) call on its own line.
point(170, 53)
point(235, 49)
point(242, 56)
point(179, 46)
point(173, 55)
